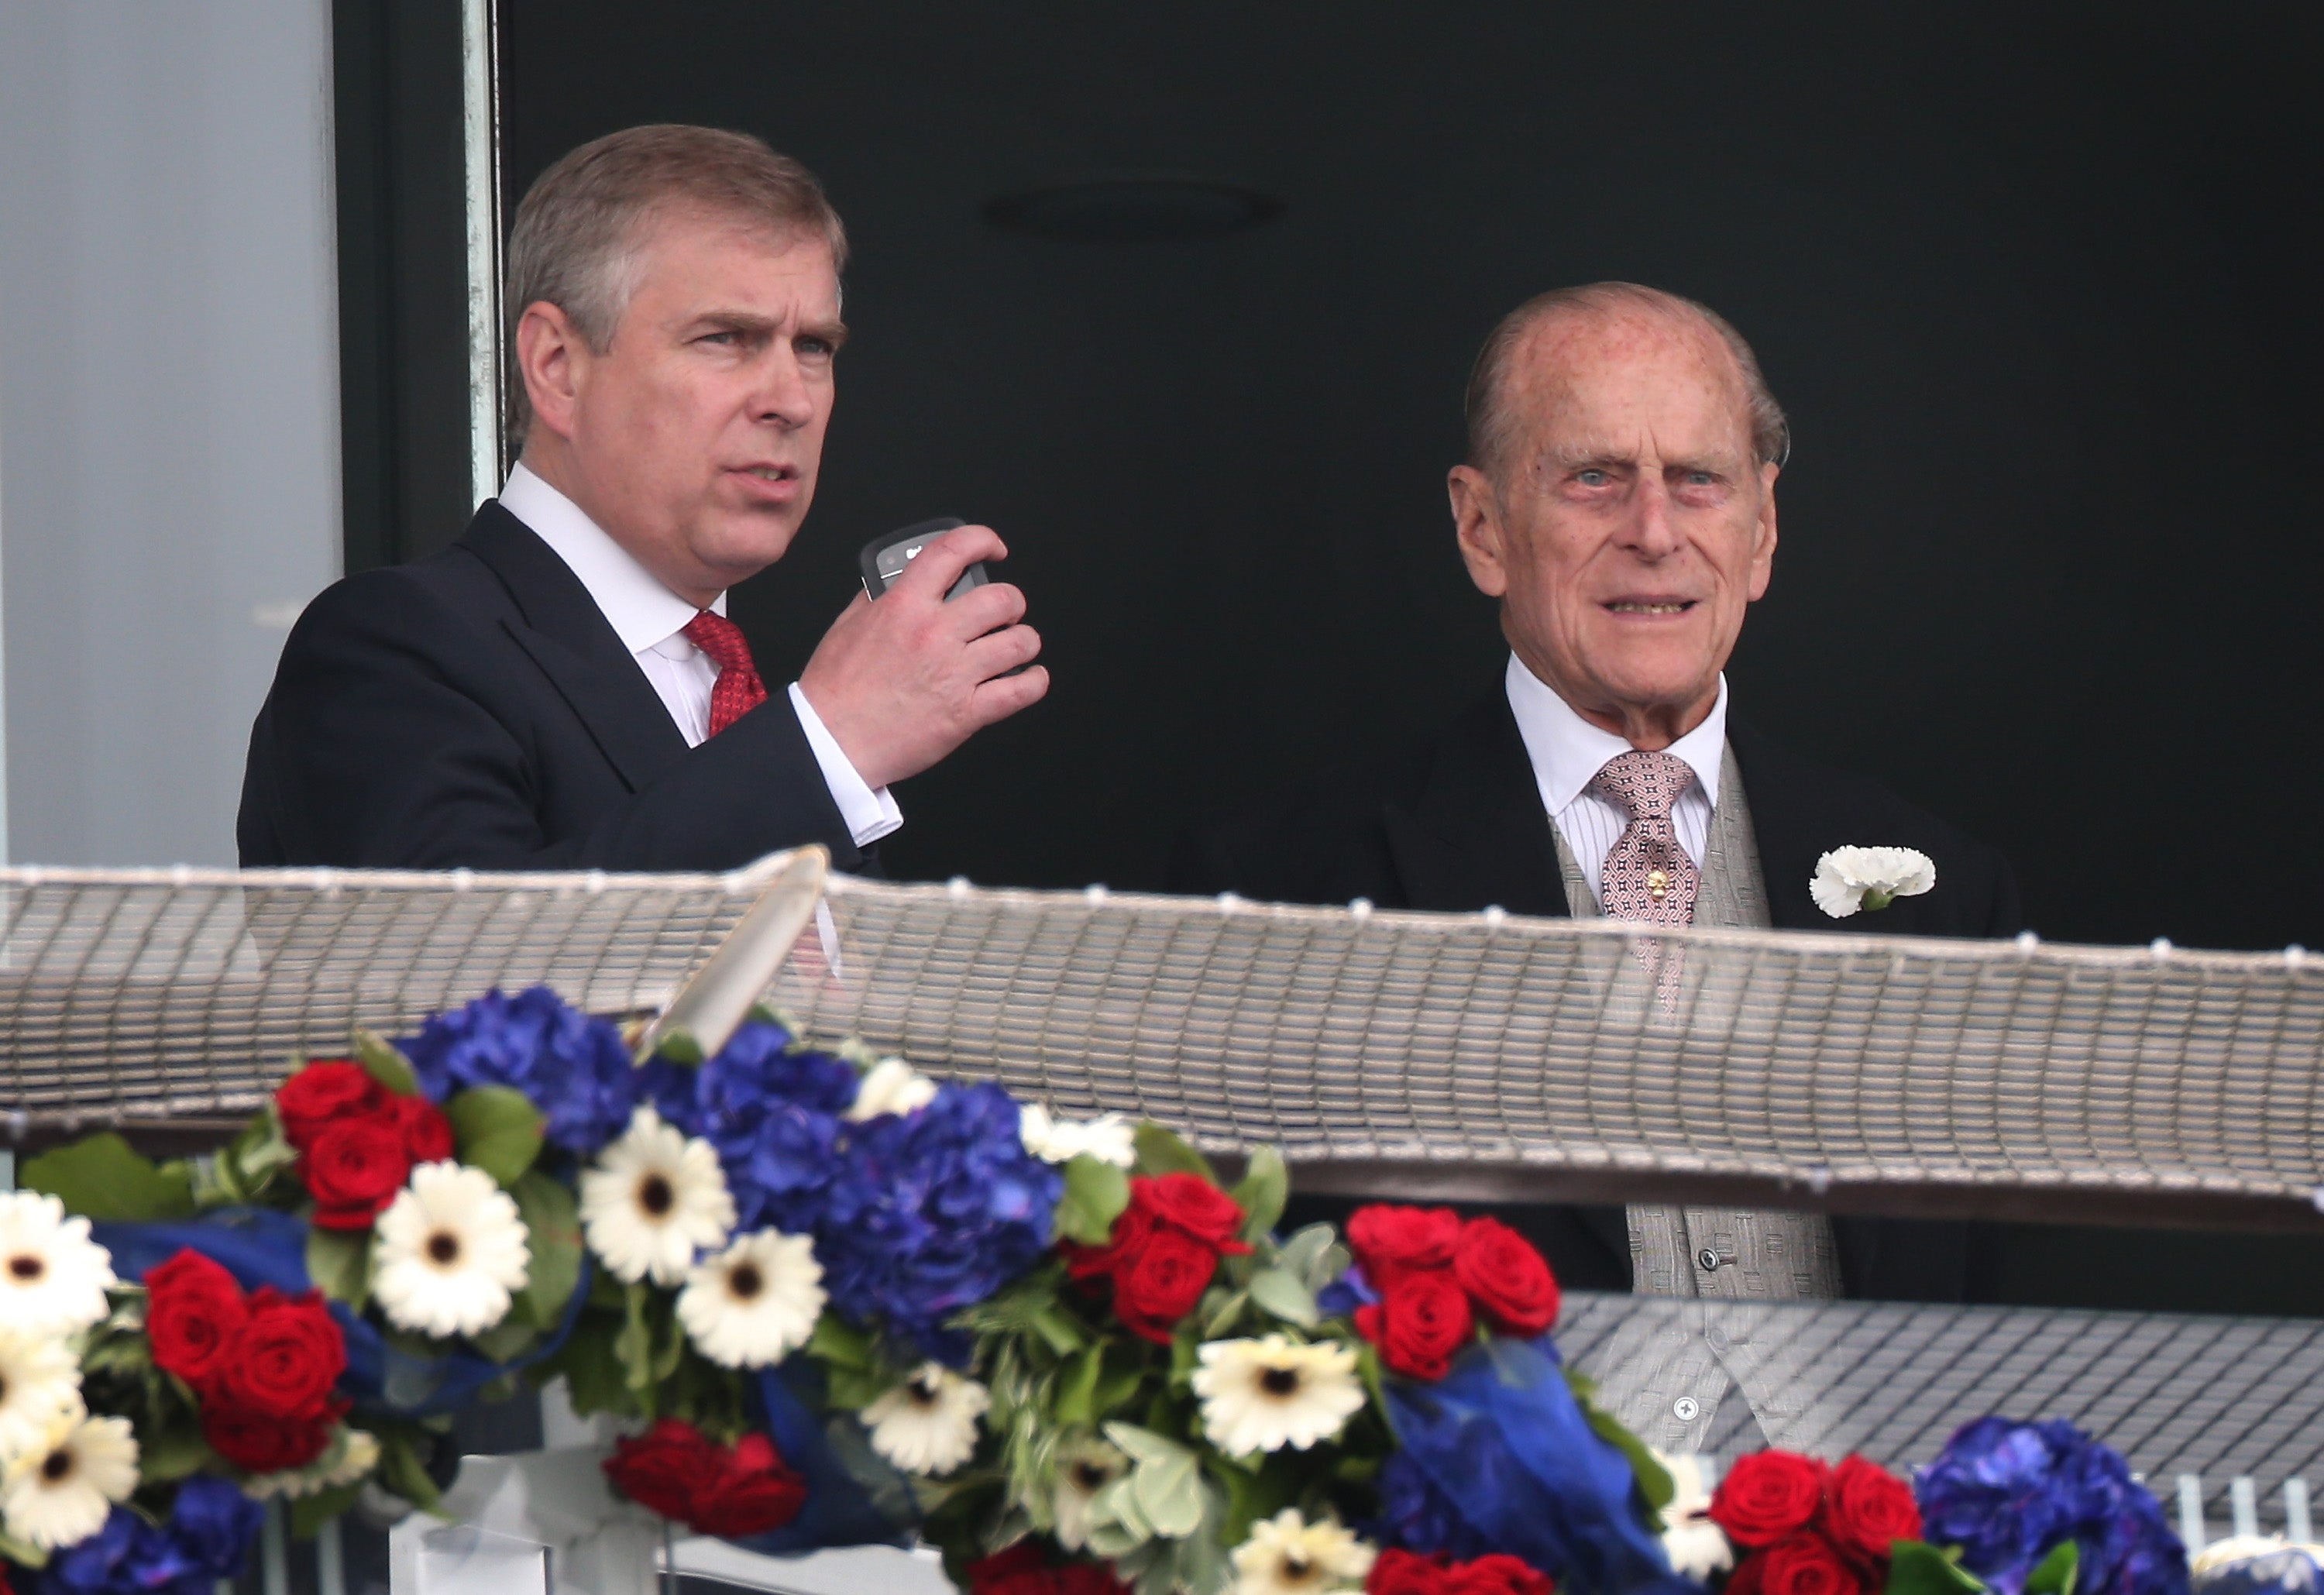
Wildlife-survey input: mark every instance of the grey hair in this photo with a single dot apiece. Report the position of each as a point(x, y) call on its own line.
point(578, 233)
point(1489, 421)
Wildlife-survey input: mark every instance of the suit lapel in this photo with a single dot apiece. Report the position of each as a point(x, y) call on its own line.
point(1476, 835)
point(576, 648)
point(1786, 822)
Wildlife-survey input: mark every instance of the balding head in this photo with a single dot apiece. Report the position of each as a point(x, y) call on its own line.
point(1522, 354)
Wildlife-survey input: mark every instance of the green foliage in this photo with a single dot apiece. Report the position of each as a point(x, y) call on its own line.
point(402, 1468)
point(595, 1379)
point(22, 1554)
point(1097, 1193)
point(385, 1065)
point(246, 1172)
point(1282, 1293)
point(338, 1262)
point(506, 1341)
point(680, 1047)
point(2055, 1574)
point(104, 1177)
point(1161, 1151)
point(497, 1130)
point(553, 1225)
point(1313, 1256)
point(1265, 1187)
point(309, 1513)
point(173, 1449)
point(1162, 1492)
point(1915, 1567)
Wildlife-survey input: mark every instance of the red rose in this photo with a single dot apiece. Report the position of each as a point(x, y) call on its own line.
point(1023, 1569)
point(1160, 1285)
point(1088, 1578)
point(754, 1490)
point(1405, 1573)
point(257, 1444)
point(284, 1360)
point(1750, 1577)
point(353, 1168)
point(1391, 1242)
point(1506, 1277)
point(325, 1091)
point(1132, 1231)
point(1865, 1509)
point(1193, 1205)
point(1767, 1496)
point(1495, 1576)
point(427, 1133)
point(193, 1309)
point(1808, 1564)
point(1420, 1325)
point(661, 1468)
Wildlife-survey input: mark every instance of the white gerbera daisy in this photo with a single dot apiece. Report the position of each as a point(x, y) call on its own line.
point(654, 1200)
point(1084, 1469)
point(1697, 1547)
point(52, 1277)
point(891, 1085)
point(451, 1248)
point(1289, 1556)
point(1266, 1394)
point(927, 1424)
point(1106, 1137)
point(1848, 880)
point(351, 1456)
point(39, 1383)
point(754, 1303)
point(59, 1491)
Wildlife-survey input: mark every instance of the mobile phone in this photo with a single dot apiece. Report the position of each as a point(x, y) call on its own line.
point(885, 558)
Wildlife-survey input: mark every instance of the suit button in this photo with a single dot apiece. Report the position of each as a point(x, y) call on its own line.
point(1710, 1259)
point(1687, 1409)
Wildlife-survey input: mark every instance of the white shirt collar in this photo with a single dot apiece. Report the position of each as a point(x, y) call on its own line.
point(642, 612)
point(1568, 751)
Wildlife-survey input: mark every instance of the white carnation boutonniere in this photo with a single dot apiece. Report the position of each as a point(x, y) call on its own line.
point(1854, 880)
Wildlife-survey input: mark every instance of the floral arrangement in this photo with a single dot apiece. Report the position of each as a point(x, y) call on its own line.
point(2012, 1507)
point(832, 1301)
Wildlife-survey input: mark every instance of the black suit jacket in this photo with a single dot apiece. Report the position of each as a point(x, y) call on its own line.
point(477, 709)
point(1457, 823)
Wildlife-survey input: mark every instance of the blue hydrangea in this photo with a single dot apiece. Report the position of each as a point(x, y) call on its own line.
point(775, 1115)
point(1418, 1516)
point(207, 1538)
point(2008, 1492)
point(574, 1068)
point(932, 1211)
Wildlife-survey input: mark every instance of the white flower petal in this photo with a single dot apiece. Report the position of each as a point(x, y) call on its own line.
point(755, 1303)
point(52, 1277)
point(450, 1250)
point(1285, 1555)
point(654, 1201)
point(927, 1424)
point(1108, 1138)
point(891, 1085)
point(1084, 1469)
point(1262, 1395)
point(39, 1385)
point(60, 1493)
point(1845, 876)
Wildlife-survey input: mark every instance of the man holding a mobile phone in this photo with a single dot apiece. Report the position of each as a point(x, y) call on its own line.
point(561, 689)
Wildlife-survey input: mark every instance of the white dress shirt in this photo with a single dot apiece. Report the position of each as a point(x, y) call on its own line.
point(650, 621)
point(1567, 753)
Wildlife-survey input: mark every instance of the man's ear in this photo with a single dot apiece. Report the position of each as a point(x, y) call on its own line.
point(553, 358)
point(1762, 535)
point(1477, 524)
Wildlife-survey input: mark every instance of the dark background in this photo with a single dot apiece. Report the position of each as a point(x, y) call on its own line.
point(2037, 285)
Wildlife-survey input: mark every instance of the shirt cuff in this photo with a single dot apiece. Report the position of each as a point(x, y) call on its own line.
point(868, 815)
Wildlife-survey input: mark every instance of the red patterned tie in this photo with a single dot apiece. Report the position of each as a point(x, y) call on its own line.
point(1648, 876)
point(738, 690)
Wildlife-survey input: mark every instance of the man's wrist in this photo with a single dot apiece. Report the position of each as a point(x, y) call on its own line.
point(869, 813)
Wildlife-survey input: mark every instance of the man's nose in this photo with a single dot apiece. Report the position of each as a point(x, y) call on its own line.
point(784, 395)
point(1648, 531)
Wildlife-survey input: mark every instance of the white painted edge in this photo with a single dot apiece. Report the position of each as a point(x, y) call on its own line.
point(481, 127)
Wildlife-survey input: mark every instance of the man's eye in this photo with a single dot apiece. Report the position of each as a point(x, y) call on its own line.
point(1592, 478)
point(820, 348)
point(1700, 479)
point(724, 339)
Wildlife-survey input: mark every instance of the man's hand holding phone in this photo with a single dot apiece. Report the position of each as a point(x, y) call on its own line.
point(901, 682)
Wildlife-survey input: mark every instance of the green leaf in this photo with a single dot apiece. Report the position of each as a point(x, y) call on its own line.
point(385, 1065)
point(1141, 1446)
point(309, 1513)
point(840, 1343)
point(1281, 1292)
point(854, 1389)
point(401, 1471)
point(679, 1048)
point(1169, 1493)
point(1915, 1567)
point(1076, 1405)
point(103, 1177)
point(1162, 1152)
point(634, 1344)
point(497, 1130)
point(1265, 1186)
point(1225, 1307)
point(553, 1231)
point(173, 1452)
point(1058, 1331)
point(1097, 1193)
point(23, 1552)
point(506, 1341)
point(338, 1262)
point(1315, 1256)
point(2055, 1574)
point(593, 1375)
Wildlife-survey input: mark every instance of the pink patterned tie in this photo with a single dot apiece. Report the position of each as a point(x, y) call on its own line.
point(1648, 876)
